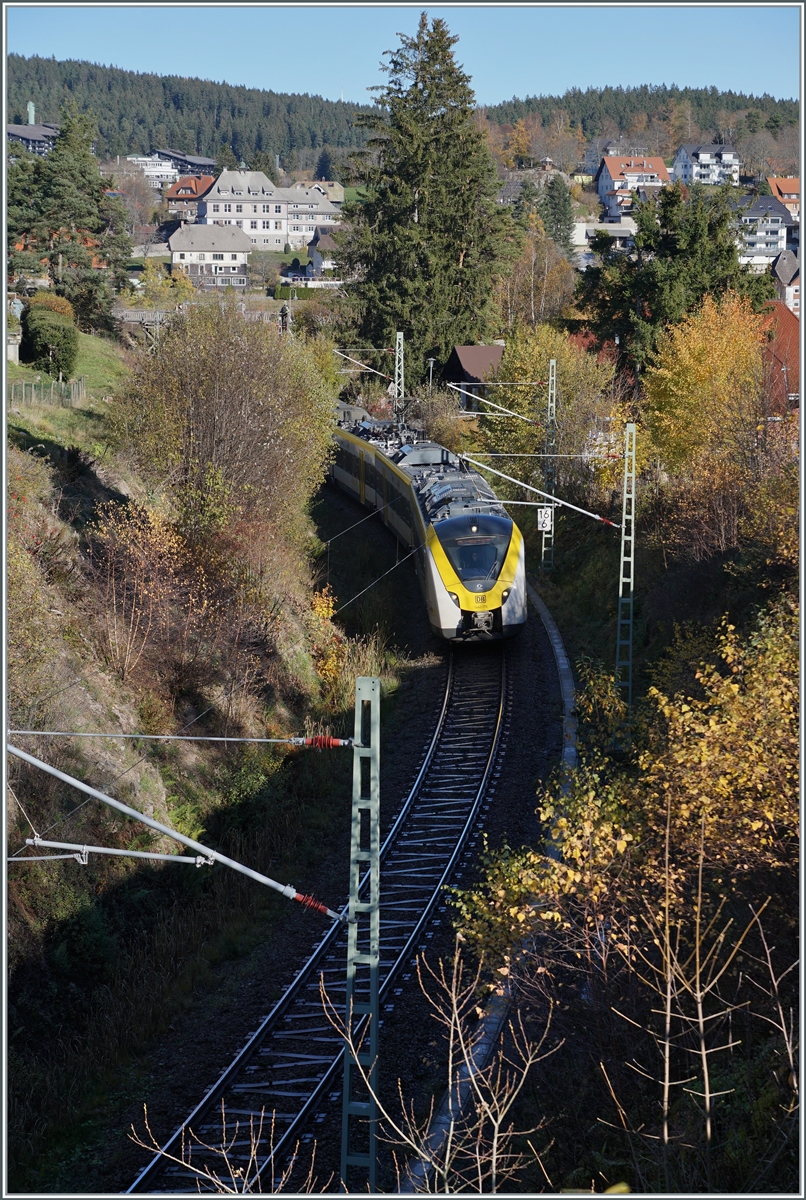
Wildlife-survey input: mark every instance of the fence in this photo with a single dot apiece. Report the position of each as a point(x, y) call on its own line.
point(63, 394)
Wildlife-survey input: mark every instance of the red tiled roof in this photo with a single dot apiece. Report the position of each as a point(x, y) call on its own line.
point(783, 189)
point(190, 187)
point(617, 166)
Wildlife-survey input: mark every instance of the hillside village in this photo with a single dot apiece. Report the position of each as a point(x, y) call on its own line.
point(298, 216)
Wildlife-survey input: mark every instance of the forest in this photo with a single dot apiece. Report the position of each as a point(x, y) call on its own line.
point(137, 113)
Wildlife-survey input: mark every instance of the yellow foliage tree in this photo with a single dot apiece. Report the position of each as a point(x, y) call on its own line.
point(519, 143)
point(583, 392)
point(704, 394)
point(161, 290)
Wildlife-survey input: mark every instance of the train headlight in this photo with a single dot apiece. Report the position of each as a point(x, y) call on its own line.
point(455, 599)
point(505, 595)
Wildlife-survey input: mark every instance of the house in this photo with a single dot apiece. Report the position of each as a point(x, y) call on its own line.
point(213, 256)
point(706, 163)
point(469, 367)
point(321, 251)
point(37, 139)
point(619, 178)
point(788, 192)
point(184, 195)
point(782, 358)
point(334, 191)
point(272, 216)
point(187, 164)
point(786, 276)
point(763, 225)
point(158, 171)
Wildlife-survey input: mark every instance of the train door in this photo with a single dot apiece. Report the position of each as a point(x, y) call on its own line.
point(361, 484)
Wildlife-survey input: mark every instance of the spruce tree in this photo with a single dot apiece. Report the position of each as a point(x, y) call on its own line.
point(60, 212)
point(423, 251)
point(557, 213)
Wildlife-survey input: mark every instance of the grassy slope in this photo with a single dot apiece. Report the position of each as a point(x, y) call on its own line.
point(99, 359)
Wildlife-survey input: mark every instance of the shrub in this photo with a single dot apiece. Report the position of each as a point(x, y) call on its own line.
point(50, 341)
point(53, 303)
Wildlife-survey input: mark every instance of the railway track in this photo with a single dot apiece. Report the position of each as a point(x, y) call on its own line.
point(292, 1065)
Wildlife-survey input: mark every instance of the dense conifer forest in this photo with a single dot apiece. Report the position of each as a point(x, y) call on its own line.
point(140, 112)
point(593, 109)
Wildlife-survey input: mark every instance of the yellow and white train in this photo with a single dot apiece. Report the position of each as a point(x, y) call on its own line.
point(469, 553)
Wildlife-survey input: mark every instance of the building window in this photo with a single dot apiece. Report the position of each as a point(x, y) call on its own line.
point(234, 258)
point(266, 241)
point(218, 257)
point(267, 208)
point(278, 208)
point(253, 224)
point(181, 256)
point(227, 208)
point(233, 268)
point(239, 208)
point(216, 208)
point(201, 258)
point(278, 241)
point(278, 225)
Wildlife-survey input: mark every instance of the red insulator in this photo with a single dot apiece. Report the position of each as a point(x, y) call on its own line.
point(320, 742)
point(310, 902)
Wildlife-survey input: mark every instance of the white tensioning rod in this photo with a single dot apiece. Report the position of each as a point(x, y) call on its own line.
point(506, 411)
point(565, 504)
point(286, 890)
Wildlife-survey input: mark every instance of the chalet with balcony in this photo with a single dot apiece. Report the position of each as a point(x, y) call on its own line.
point(706, 163)
point(620, 179)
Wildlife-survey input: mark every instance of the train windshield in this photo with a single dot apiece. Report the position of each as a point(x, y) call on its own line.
point(476, 546)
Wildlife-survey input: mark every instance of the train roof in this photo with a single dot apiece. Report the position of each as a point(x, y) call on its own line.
point(442, 482)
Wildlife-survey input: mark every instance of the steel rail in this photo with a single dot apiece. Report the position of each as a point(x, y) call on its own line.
point(415, 834)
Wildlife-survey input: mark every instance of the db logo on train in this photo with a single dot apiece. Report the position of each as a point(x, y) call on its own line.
point(481, 599)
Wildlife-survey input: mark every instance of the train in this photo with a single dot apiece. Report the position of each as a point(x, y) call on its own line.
point(468, 552)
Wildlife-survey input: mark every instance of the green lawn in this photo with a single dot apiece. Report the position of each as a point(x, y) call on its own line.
point(354, 193)
point(100, 359)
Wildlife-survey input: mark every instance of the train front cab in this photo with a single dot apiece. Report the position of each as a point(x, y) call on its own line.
point(474, 578)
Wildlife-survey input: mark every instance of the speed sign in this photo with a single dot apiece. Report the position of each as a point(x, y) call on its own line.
point(544, 519)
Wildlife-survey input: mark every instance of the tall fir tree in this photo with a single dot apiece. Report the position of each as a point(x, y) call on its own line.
point(425, 248)
point(557, 213)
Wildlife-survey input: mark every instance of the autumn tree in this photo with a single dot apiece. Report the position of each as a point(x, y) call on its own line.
point(235, 396)
point(685, 249)
point(541, 282)
point(706, 406)
point(583, 393)
point(425, 248)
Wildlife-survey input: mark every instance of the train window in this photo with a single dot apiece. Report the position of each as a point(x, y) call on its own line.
point(476, 546)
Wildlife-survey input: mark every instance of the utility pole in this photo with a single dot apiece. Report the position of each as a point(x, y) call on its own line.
point(623, 677)
point(400, 387)
point(430, 374)
point(550, 469)
point(359, 1109)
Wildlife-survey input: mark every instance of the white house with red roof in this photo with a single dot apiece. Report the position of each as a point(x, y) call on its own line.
point(620, 178)
point(787, 191)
